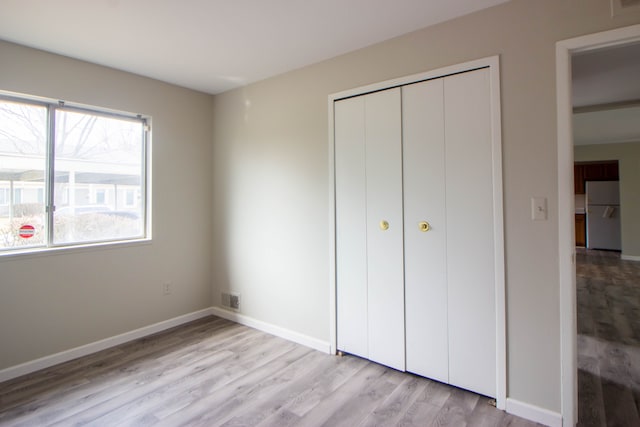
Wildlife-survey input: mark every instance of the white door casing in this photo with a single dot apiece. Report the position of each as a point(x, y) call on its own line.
point(566, 224)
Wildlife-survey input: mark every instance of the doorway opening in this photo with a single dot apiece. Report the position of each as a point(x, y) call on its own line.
point(567, 52)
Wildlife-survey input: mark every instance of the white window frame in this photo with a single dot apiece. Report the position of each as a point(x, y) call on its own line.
point(52, 106)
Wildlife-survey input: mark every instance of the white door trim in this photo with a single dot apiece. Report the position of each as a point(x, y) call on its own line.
point(566, 230)
point(493, 63)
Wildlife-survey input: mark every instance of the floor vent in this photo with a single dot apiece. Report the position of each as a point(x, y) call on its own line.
point(230, 300)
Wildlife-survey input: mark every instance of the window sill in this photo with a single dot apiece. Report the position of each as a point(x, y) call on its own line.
point(60, 250)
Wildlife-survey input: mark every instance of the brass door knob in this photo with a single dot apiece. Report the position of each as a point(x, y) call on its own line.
point(424, 226)
point(384, 225)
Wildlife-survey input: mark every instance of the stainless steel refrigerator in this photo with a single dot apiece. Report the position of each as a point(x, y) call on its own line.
point(603, 215)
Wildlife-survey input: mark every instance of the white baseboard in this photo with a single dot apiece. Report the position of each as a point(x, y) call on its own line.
point(84, 350)
point(630, 257)
point(534, 413)
point(278, 331)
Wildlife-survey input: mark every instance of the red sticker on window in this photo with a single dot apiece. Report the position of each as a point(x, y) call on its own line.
point(27, 231)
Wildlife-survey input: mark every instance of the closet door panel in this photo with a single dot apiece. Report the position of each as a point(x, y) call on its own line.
point(351, 232)
point(425, 252)
point(470, 232)
point(385, 247)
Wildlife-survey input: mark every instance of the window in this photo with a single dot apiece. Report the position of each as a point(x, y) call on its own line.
point(130, 198)
point(61, 171)
point(17, 196)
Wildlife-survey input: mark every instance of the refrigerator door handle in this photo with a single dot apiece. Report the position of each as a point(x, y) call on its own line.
point(608, 212)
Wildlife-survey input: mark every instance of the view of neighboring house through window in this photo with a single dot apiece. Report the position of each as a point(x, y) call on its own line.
point(69, 176)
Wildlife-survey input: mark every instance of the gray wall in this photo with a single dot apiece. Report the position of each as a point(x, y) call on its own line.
point(56, 302)
point(628, 156)
point(271, 170)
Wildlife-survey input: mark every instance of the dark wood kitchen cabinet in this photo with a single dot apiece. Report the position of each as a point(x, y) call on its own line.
point(581, 230)
point(578, 178)
point(593, 171)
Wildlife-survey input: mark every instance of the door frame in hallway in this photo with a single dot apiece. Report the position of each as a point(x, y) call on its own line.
point(566, 226)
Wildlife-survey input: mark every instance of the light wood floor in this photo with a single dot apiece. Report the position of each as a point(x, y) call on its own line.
point(213, 372)
point(608, 303)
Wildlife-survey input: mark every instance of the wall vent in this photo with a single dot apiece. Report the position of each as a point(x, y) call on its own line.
point(230, 300)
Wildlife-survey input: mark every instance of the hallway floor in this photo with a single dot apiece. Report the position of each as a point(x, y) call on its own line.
point(608, 304)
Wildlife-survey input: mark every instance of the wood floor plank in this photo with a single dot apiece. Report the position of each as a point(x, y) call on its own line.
point(317, 389)
point(116, 382)
point(619, 402)
point(354, 410)
point(334, 401)
point(485, 415)
point(213, 372)
point(608, 307)
point(619, 405)
point(344, 369)
point(281, 418)
point(419, 414)
point(109, 408)
point(202, 411)
point(591, 403)
point(290, 385)
point(72, 375)
point(457, 408)
point(107, 376)
point(436, 394)
point(263, 398)
point(116, 407)
point(633, 354)
point(265, 401)
point(392, 410)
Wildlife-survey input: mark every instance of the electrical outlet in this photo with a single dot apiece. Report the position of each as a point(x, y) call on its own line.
point(166, 288)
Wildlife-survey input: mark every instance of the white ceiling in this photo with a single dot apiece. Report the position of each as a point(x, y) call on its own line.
point(607, 126)
point(216, 45)
point(606, 76)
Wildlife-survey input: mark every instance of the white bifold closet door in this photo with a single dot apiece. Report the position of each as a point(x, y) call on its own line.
point(427, 332)
point(415, 248)
point(351, 227)
point(450, 269)
point(369, 246)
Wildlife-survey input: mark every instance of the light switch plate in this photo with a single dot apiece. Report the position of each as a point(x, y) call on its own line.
point(539, 208)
